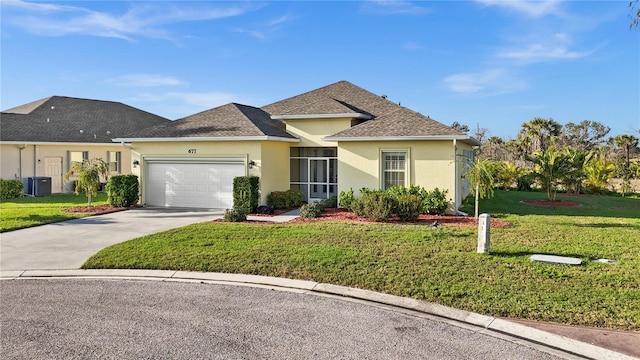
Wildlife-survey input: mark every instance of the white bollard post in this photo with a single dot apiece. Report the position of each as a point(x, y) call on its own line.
point(484, 233)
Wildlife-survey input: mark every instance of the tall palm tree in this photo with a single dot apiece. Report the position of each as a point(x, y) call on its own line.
point(626, 143)
point(539, 133)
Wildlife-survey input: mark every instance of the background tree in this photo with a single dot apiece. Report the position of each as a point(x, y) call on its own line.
point(87, 175)
point(460, 127)
point(539, 134)
point(635, 14)
point(587, 135)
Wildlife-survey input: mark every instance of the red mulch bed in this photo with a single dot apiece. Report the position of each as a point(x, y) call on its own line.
point(333, 214)
point(552, 202)
point(98, 209)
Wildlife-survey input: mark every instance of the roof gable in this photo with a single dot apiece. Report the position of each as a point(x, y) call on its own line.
point(388, 119)
point(67, 119)
point(230, 120)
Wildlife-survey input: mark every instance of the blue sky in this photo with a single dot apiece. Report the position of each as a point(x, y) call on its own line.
point(488, 63)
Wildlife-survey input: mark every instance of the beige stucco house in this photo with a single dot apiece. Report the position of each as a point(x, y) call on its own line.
point(332, 139)
point(43, 138)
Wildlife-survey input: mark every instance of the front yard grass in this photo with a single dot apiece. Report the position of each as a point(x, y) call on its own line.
point(33, 211)
point(437, 266)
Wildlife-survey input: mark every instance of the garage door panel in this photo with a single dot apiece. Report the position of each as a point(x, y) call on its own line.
point(198, 185)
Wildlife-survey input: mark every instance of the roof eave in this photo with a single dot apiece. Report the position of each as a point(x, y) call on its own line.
point(206, 138)
point(464, 138)
point(66, 143)
point(322, 116)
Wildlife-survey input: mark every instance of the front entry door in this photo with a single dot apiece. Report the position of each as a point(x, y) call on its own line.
point(53, 169)
point(322, 178)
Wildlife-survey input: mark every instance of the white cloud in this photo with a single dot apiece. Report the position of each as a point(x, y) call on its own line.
point(146, 80)
point(488, 82)
point(201, 100)
point(555, 47)
point(139, 20)
point(528, 8)
point(393, 7)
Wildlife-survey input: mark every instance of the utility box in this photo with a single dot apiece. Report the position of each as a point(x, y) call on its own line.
point(484, 233)
point(39, 186)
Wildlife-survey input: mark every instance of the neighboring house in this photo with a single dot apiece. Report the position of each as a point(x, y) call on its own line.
point(43, 138)
point(321, 142)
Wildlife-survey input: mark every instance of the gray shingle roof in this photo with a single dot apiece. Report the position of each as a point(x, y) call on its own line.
point(389, 119)
point(230, 120)
point(67, 119)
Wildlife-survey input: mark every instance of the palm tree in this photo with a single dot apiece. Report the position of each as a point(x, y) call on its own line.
point(479, 174)
point(539, 133)
point(626, 143)
point(597, 171)
point(87, 175)
point(573, 172)
point(548, 167)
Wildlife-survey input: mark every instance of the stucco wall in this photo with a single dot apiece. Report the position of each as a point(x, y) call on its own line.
point(311, 131)
point(431, 164)
point(11, 167)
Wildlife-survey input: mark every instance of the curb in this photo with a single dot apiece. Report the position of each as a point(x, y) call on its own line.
point(490, 323)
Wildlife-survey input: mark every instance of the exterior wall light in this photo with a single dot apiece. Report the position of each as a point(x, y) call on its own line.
point(252, 164)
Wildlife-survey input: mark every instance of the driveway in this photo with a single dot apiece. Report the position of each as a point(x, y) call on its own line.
point(68, 244)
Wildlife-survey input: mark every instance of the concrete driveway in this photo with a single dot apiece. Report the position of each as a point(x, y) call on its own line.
point(68, 244)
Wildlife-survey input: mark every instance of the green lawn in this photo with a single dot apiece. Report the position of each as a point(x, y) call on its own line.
point(442, 267)
point(33, 211)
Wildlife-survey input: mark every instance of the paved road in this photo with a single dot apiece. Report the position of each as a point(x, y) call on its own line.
point(120, 319)
point(67, 245)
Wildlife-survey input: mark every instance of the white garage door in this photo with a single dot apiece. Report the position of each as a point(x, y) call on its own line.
point(192, 185)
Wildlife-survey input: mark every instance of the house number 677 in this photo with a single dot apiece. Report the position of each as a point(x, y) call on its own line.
point(192, 151)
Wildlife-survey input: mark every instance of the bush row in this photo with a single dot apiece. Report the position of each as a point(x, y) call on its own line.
point(10, 189)
point(405, 202)
point(285, 199)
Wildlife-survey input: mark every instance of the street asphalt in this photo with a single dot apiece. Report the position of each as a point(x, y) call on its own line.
point(40, 276)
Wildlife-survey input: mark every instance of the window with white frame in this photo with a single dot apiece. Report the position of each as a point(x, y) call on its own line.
point(77, 157)
point(394, 168)
point(114, 159)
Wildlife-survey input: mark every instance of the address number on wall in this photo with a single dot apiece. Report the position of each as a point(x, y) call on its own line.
point(191, 151)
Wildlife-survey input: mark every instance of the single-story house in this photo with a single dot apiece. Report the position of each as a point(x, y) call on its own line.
point(43, 138)
point(331, 139)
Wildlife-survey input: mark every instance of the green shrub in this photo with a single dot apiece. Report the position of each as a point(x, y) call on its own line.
point(408, 207)
point(312, 210)
point(235, 215)
point(525, 182)
point(436, 202)
point(11, 189)
point(346, 199)
point(285, 199)
point(122, 190)
point(331, 202)
point(377, 205)
point(246, 193)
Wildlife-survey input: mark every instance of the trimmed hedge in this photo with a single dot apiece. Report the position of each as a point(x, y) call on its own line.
point(408, 207)
point(285, 199)
point(246, 193)
point(11, 189)
point(235, 215)
point(375, 205)
point(123, 190)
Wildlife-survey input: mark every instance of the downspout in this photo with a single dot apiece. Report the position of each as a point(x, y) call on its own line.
point(20, 148)
point(35, 163)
